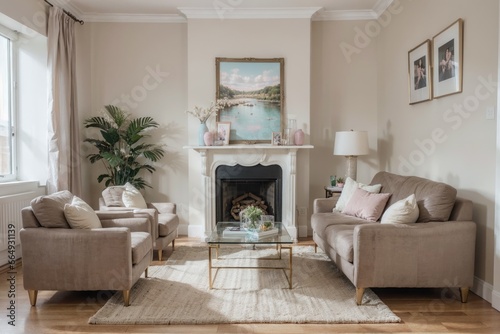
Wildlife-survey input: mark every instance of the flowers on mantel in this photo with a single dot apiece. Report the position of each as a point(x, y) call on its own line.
point(203, 114)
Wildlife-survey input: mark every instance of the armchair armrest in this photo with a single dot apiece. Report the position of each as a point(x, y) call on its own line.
point(105, 215)
point(433, 254)
point(152, 215)
point(322, 205)
point(163, 207)
point(134, 224)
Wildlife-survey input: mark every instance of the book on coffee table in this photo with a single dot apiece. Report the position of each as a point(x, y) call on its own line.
point(241, 232)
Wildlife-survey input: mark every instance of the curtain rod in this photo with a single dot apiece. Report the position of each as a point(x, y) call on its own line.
point(67, 13)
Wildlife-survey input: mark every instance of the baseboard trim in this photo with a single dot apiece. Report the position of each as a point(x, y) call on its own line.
point(302, 231)
point(495, 303)
point(484, 290)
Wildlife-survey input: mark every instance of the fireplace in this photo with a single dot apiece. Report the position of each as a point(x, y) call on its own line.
point(239, 186)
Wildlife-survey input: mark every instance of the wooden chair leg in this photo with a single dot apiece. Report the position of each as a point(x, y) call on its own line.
point(464, 294)
point(173, 245)
point(315, 248)
point(359, 295)
point(33, 294)
point(146, 273)
point(126, 297)
point(160, 254)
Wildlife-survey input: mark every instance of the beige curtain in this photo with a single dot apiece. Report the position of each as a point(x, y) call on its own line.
point(64, 134)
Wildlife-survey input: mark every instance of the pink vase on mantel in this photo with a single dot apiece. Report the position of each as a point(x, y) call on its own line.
point(299, 137)
point(208, 138)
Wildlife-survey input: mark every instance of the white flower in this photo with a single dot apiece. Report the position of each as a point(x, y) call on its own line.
point(204, 113)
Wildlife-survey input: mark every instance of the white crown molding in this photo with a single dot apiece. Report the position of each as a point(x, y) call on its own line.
point(341, 15)
point(134, 18)
point(249, 13)
point(314, 13)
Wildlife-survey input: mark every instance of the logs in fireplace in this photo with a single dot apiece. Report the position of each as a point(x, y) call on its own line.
point(242, 202)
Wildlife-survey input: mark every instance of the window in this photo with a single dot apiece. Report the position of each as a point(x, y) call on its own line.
point(7, 144)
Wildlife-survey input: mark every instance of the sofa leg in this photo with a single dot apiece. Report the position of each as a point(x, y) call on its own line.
point(173, 245)
point(464, 294)
point(126, 297)
point(359, 295)
point(146, 273)
point(33, 294)
point(315, 248)
point(160, 254)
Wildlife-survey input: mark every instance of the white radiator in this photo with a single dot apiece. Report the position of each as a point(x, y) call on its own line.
point(10, 219)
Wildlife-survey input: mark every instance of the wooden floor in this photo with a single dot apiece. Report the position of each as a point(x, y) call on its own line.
point(421, 311)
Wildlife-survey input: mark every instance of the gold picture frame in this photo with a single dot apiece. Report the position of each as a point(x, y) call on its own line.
point(252, 91)
point(447, 47)
point(419, 73)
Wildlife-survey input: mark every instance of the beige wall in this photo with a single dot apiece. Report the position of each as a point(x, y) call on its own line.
point(343, 97)
point(464, 155)
point(208, 39)
point(30, 13)
point(140, 67)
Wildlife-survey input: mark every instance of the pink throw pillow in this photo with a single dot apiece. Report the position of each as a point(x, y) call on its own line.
point(366, 205)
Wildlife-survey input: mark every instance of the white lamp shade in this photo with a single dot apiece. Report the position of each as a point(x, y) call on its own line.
point(351, 143)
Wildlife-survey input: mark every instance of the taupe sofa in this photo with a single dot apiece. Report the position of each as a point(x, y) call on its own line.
point(57, 257)
point(163, 217)
point(436, 251)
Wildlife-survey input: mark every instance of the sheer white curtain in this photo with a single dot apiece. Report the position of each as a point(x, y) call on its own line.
point(64, 134)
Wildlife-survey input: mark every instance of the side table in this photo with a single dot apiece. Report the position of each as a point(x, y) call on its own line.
point(329, 191)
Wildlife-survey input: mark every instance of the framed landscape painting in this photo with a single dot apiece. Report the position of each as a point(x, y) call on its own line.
point(419, 73)
point(252, 93)
point(447, 49)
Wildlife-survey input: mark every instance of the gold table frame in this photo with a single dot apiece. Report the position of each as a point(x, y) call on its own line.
point(279, 247)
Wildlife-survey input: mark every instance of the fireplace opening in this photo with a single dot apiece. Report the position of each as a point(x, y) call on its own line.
point(239, 186)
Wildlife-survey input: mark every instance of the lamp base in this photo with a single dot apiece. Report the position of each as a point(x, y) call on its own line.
point(352, 166)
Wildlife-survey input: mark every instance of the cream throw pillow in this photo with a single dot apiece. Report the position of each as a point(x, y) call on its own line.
point(132, 198)
point(366, 205)
point(402, 212)
point(350, 187)
point(80, 215)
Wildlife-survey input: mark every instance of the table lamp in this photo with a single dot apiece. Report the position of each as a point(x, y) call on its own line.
point(351, 144)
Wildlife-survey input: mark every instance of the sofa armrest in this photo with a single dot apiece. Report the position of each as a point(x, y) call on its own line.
point(134, 224)
point(433, 254)
point(322, 205)
point(163, 207)
point(70, 259)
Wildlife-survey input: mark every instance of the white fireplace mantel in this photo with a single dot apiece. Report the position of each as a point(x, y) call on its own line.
point(249, 155)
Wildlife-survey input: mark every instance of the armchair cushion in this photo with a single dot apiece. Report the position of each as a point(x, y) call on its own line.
point(49, 209)
point(141, 245)
point(132, 197)
point(80, 215)
point(167, 223)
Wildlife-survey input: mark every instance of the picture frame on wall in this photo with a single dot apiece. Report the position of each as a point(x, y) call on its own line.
point(253, 97)
point(223, 132)
point(447, 48)
point(419, 74)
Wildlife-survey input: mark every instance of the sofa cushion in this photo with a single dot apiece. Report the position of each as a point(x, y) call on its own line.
point(321, 221)
point(340, 238)
point(141, 245)
point(49, 209)
point(80, 215)
point(348, 190)
point(113, 196)
point(435, 200)
point(404, 211)
point(132, 197)
point(167, 223)
point(366, 205)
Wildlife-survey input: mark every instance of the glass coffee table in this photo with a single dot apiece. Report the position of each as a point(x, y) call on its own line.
point(218, 238)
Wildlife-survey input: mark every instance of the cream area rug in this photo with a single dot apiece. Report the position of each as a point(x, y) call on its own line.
point(178, 292)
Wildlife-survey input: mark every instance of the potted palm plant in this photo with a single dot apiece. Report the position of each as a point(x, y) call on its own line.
point(122, 149)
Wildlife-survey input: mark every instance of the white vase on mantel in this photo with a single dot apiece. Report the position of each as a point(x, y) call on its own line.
point(202, 128)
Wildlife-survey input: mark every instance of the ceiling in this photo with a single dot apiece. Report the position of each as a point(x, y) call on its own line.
point(180, 10)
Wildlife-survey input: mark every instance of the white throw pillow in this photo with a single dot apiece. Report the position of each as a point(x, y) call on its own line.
point(402, 212)
point(80, 215)
point(132, 198)
point(350, 187)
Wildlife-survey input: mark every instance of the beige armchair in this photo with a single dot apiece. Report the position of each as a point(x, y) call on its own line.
point(58, 257)
point(163, 217)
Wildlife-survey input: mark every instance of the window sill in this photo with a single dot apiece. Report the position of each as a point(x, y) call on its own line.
point(18, 187)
